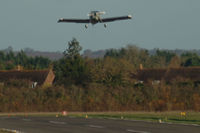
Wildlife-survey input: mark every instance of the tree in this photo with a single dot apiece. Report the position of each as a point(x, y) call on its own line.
point(115, 53)
point(190, 59)
point(75, 71)
point(111, 71)
point(73, 49)
point(21, 58)
point(175, 62)
point(72, 69)
point(130, 53)
point(166, 54)
point(2, 56)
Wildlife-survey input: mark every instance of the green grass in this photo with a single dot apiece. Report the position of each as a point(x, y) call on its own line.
point(2, 131)
point(173, 117)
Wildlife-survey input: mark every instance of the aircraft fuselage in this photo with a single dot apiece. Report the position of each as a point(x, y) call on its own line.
point(94, 18)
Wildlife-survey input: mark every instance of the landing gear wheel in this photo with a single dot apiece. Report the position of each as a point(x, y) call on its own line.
point(86, 26)
point(105, 25)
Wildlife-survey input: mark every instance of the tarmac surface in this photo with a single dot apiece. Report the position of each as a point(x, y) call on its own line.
point(81, 125)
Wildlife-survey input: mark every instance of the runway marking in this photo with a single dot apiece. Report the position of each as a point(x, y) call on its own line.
point(134, 131)
point(96, 126)
point(57, 122)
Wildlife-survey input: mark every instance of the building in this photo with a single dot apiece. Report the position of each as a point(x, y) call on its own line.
point(168, 74)
point(36, 77)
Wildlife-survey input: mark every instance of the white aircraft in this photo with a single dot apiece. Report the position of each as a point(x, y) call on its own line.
point(94, 18)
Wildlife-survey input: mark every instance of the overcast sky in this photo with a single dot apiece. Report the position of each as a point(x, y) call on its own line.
point(167, 24)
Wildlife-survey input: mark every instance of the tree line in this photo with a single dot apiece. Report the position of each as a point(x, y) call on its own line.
point(9, 61)
point(100, 84)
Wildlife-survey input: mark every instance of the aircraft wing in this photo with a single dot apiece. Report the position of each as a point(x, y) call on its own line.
point(74, 20)
point(116, 18)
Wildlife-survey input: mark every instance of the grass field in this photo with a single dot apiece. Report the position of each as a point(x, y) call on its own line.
point(172, 117)
point(2, 131)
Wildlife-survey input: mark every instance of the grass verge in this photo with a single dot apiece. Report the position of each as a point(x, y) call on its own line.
point(3, 131)
point(170, 117)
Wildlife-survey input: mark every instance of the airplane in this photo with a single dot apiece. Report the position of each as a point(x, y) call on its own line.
point(94, 18)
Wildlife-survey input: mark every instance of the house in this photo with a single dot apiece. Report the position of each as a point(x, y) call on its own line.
point(167, 74)
point(36, 77)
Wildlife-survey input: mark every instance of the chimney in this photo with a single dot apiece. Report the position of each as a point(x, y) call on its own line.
point(141, 67)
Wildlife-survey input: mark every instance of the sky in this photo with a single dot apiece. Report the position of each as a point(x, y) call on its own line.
point(163, 24)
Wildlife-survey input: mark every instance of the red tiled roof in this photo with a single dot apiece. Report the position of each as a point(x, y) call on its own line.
point(192, 73)
point(35, 75)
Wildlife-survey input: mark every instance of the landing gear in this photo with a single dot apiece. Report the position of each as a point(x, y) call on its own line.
point(105, 25)
point(86, 26)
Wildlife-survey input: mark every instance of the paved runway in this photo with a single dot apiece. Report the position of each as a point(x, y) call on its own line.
point(80, 125)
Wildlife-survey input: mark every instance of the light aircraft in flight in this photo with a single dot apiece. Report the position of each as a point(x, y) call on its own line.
point(94, 18)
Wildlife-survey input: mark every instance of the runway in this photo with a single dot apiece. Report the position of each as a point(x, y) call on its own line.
point(81, 125)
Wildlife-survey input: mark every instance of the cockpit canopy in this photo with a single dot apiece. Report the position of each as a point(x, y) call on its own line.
point(96, 13)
